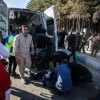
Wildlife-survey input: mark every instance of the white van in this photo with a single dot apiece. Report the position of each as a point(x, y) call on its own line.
point(17, 17)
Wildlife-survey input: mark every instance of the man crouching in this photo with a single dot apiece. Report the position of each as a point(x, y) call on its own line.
point(64, 80)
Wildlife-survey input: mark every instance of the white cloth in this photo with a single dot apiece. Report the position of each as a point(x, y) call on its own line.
point(7, 94)
point(48, 75)
point(4, 53)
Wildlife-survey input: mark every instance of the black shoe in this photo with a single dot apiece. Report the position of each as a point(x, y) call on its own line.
point(15, 75)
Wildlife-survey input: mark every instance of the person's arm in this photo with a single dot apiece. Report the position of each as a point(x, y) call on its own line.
point(17, 58)
point(70, 41)
point(32, 50)
point(15, 48)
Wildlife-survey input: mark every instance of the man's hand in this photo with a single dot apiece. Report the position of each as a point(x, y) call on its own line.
point(18, 61)
point(17, 58)
point(32, 51)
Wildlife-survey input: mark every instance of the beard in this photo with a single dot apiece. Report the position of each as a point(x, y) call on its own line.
point(25, 35)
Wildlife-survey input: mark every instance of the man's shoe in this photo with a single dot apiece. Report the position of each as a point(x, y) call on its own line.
point(23, 81)
point(15, 75)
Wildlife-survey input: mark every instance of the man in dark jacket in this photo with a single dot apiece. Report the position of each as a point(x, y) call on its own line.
point(61, 36)
point(41, 47)
point(73, 44)
point(41, 41)
point(58, 57)
point(83, 42)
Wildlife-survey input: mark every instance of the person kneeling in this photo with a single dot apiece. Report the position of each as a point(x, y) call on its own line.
point(64, 80)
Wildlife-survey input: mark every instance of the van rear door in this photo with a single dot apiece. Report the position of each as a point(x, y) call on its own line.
point(51, 26)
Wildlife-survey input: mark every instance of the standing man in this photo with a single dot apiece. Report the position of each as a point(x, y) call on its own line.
point(22, 44)
point(73, 44)
point(41, 41)
point(41, 44)
point(61, 36)
point(9, 46)
point(83, 42)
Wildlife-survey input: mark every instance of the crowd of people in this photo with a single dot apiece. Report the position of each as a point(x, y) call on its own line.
point(18, 46)
point(77, 42)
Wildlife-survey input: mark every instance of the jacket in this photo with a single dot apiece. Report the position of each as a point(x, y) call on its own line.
point(9, 43)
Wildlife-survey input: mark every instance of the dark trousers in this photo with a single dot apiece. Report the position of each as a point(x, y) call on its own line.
point(82, 47)
point(12, 60)
point(73, 50)
point(95, 50)
point(61, 43)
point(73, 54)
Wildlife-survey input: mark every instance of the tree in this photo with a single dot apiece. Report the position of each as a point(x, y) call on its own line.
point(72, 13)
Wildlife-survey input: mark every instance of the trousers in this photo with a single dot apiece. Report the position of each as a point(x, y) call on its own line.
point(25, 62)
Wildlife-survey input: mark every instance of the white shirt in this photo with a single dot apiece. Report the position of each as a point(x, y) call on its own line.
point(4, 53)
point(22, 44)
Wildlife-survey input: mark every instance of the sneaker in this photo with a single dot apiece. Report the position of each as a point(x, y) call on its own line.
point(23, 81)
point(15, 75)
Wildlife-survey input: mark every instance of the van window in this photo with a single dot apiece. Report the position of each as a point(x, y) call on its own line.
point(3, 24)
point(50, 26)
point(19, 17)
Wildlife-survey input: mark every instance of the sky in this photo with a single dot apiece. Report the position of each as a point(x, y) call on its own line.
point(16, 3)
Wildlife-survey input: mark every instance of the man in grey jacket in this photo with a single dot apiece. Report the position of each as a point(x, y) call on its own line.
point(22, 44)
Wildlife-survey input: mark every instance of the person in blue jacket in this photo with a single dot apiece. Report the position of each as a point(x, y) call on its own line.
point(64, 80)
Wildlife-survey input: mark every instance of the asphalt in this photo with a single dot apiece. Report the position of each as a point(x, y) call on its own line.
point(86, 58)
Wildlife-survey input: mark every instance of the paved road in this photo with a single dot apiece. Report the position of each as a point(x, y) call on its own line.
point(35, 91)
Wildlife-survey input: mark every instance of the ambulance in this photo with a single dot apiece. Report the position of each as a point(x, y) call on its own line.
point(14, 18)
